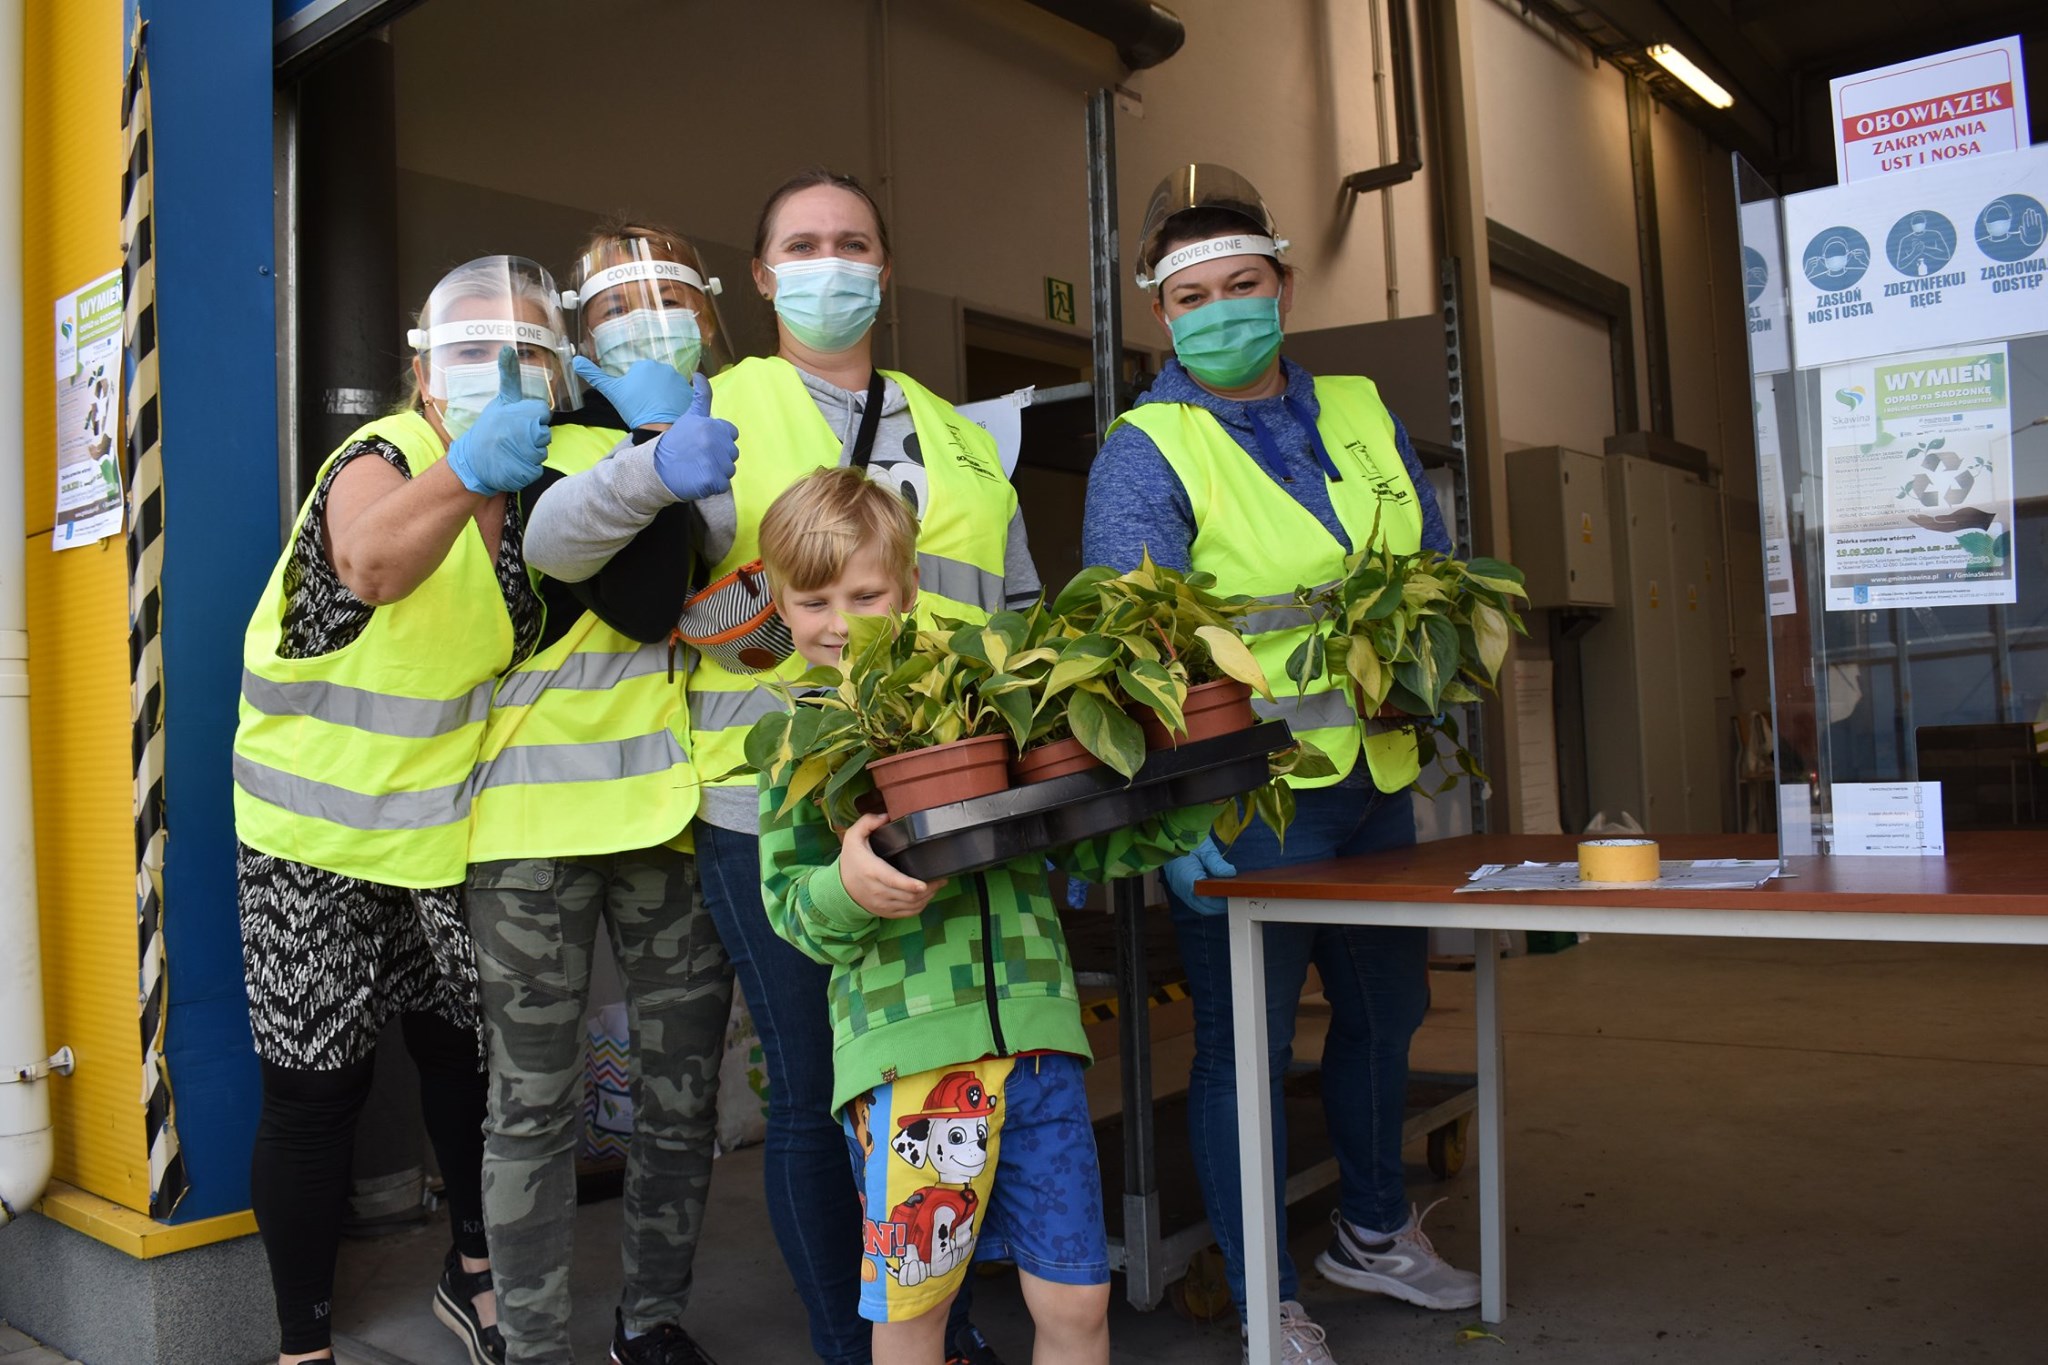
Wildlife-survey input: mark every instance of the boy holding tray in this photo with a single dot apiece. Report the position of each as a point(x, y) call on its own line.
point(957, 1038)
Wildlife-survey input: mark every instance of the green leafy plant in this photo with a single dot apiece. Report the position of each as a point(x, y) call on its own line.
point(1133, 640)
point(1411, 635)
point(1109, 644)
point(1142, 639)
point(897, 688)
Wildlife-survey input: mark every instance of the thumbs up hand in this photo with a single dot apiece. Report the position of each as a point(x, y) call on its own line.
point(696, 457)
point(648, 394)
point(505, 447)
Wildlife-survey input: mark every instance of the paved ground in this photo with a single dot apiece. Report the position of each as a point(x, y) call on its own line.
point(17, 1348)
point(1718, 1152)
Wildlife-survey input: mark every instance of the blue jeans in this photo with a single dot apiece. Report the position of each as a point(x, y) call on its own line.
point(813, 1205)
point(1376, 982)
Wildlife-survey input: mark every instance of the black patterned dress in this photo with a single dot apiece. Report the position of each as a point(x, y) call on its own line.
point(328, 959)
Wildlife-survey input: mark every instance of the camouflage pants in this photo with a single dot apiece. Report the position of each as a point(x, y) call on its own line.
point(535, 923)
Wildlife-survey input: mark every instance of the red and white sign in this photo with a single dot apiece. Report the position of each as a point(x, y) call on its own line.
point(1930, 112)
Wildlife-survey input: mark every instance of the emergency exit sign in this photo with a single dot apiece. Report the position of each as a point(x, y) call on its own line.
point(1059, 300)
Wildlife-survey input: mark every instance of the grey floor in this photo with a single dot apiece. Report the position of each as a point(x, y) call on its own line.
point(1717, 1152)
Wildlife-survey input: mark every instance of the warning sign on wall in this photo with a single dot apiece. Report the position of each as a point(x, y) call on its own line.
point(1954, 255)
point(1930, 112)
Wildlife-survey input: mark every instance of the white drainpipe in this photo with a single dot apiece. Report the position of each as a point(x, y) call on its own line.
point(25, 1139)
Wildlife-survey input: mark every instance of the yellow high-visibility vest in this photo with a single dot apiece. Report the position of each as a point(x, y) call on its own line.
point(964, 525)
point(1257, 540)
point(586, 749)
point(360, 761)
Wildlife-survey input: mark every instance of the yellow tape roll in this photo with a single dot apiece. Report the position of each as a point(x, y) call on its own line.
point(1618, 860)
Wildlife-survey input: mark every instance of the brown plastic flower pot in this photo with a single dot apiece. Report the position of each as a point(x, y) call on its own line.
point(1047, 761)
point(942, 774)
point(1212, 709)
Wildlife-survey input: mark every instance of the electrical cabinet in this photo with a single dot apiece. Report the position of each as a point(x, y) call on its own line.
point(1656, 665)
point(1559, 524)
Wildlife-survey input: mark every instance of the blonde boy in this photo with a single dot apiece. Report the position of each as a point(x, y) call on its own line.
point(957, 1041)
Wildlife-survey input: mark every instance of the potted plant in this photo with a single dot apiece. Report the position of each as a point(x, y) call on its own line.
point(1413, 634)
point(1175, 660)
point(904, 714)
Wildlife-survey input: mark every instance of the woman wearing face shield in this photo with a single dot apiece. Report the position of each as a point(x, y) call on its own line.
point(367, 668)
point(1239, 463)
point(583, 792)
point(821, 256)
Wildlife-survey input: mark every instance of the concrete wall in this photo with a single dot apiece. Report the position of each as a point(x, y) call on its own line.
point(1557, 167)
point(206, 1306)
point(1710, 395)
point(1555, 131)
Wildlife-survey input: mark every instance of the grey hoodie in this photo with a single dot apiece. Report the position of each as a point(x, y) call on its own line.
point(584, 520)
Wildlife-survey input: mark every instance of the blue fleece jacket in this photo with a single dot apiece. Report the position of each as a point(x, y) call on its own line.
point(1136, 502)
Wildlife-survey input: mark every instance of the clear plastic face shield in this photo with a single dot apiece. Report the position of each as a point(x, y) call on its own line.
point(475, 311)
point(1204, 185)
point(647, 298)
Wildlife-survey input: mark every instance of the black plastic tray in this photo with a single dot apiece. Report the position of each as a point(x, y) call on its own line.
point(988, 831)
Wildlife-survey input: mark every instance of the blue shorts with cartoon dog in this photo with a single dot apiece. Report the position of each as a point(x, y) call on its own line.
point(991, 1160)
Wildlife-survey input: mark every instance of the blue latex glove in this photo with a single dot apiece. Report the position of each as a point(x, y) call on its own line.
point(1183, 872)
point(649, 393)
point(504, 448)
point(697, 455)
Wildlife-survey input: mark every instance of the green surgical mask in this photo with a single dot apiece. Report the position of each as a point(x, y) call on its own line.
point(1228, 343)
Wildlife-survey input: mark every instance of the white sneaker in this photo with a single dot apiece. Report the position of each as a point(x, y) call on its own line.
point(1404, 1266)
point(1301, 1341)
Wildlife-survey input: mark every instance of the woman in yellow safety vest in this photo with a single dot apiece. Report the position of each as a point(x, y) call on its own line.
point(1239, 463)
point(821, 256)
point(368, 669)
point(583, 792)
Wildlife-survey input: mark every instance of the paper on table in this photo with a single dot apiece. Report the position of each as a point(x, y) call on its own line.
point(1674, 874)
point(1888, 819)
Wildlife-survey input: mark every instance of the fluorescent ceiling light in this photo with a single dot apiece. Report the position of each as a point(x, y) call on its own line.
point(1695, 80)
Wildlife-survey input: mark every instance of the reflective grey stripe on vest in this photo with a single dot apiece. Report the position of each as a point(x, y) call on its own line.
point(429, 809)
point(1287, 616)
point(376, 713)
point(1317, 711)
point(731, 710)
point(598, 762)
point(961, 581)
point(583, 673)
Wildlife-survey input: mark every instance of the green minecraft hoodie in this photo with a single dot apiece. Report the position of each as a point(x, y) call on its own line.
point(983, 972)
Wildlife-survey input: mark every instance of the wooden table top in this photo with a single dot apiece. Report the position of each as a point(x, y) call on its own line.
point(1985, 873)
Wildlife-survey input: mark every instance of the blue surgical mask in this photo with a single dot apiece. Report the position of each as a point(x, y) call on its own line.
point(466, 390)
point(1228, 343)
point(827, 304)
point(669, 335)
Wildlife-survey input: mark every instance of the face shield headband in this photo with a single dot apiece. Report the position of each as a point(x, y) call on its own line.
point(650, 270)
point(1214, 249)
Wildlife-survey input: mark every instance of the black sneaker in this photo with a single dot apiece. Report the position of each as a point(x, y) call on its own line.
point(970, 1347)
point(666, 1344)
point(454, 1305)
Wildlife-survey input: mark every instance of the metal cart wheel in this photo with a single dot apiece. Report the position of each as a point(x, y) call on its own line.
point(1447, 1148)
point(1202, 1295)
